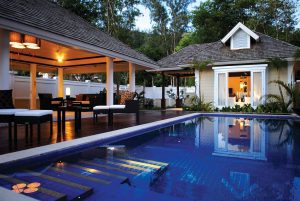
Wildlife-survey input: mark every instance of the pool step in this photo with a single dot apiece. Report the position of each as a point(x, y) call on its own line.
point(59, 183)
point(64, 181)
point(148, 170)
point(44, 193)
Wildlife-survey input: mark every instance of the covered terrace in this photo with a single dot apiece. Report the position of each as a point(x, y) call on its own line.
point(64, 44)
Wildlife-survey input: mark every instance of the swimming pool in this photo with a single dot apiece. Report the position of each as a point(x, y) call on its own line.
point(206, 158)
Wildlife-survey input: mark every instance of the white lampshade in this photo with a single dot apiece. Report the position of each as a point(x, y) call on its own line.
point(68, 91)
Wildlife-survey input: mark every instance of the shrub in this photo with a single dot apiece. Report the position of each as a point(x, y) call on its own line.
point(198, 104)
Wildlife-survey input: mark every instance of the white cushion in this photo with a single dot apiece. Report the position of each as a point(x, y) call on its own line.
point(33, 113)
point(101, 107)
point(11, 111)
point(116, 106)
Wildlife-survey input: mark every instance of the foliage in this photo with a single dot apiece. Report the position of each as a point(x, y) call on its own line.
point(213, 19)
point(186, 40)
point(149, 103)
point(88, 10)
point(173, 95)
point(283, 103)
point(170, 19)
point(199, 104)
point(297, 54)
point(277, 63)
point(201, 65)
point(246, 108)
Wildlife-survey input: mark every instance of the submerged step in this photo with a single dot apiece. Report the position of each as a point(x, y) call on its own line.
point(60, 183)
point(43, 193)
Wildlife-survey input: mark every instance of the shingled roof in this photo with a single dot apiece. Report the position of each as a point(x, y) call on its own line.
point(50, 17)
point(266, 48)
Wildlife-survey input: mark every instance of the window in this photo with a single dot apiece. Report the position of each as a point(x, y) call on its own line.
point(240, 40)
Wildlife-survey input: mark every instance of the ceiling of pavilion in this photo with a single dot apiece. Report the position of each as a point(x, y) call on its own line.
point(73, 60)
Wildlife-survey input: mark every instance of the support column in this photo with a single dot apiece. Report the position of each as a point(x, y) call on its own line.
point(4, 60)
point(60, 82)
point(163, 92)
point(131, 77)
point(197, 83)
point(33, 86)
point(109, 81)
point(178, 104)
point(290, 72)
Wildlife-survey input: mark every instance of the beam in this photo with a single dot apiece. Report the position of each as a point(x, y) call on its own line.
point(131, 77)
point(4, 60)
point(197, 82)
point(109, 81)
point(52, 62)
point(60, 82)
point(163, 92)
point(33, 86)
point(178, 104)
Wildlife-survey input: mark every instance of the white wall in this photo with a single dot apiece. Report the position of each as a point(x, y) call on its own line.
point(21, 89)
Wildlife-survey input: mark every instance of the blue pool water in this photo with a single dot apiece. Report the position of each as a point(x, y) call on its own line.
point(208, 158)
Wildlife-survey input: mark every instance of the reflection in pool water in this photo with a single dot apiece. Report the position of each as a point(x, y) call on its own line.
point(209, 158)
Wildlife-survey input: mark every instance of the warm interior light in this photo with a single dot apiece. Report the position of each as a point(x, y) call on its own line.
point(34, 47)
point(18, 46)
point(30, 40)
point(68, 91)
point(241, 85)
point(15, 38)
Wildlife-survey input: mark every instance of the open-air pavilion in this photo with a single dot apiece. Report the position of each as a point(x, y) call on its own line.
point(64, 44)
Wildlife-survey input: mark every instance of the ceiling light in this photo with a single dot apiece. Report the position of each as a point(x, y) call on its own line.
point(18, 46)
point(15, 38)
point(30, 40)
point(34, 47)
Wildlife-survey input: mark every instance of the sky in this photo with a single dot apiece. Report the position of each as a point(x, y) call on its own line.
point(143, 22)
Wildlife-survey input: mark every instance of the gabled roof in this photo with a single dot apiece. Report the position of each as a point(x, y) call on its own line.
point(236, 28)
point(52, 18)
point(217, 52)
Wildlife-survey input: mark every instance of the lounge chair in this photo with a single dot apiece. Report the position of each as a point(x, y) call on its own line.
point(131, 106)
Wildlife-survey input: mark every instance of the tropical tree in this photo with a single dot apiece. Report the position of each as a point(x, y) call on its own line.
point(286, 102)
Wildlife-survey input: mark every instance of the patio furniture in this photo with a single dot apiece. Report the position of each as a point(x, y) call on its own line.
point(47, 102)
point(8, 116)
point(6, 99)
point(61, 117)
point(31, 117)
point(100, 109)
point(131, 106)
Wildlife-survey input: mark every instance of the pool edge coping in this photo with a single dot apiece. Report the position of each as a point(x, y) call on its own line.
point(26, 154)
point(35, 152)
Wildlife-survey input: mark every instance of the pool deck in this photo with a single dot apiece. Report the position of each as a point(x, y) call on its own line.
point(88, 129)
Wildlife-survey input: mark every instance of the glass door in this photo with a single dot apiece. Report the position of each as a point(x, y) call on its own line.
point(222, 86)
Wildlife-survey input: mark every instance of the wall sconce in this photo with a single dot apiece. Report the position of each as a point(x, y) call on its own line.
point(68, 92)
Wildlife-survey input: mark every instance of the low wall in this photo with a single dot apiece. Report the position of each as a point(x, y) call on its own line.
point(21, 90)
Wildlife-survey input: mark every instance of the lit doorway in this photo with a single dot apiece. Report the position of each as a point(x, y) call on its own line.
point(239, 88)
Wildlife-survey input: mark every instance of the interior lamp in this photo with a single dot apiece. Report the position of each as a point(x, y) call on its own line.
point(21, 41)
point(68, 92)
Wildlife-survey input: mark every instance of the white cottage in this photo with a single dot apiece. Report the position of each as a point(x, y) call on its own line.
point(240, 72)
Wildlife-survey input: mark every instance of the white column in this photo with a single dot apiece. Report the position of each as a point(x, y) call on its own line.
point(4, 60)
point(60, 82)
point(290, 72)
point(197, 82)
point(109, 81)
point(131, 77)
point(33, 86)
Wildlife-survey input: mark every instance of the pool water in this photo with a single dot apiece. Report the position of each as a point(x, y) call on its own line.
point(208, 158)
